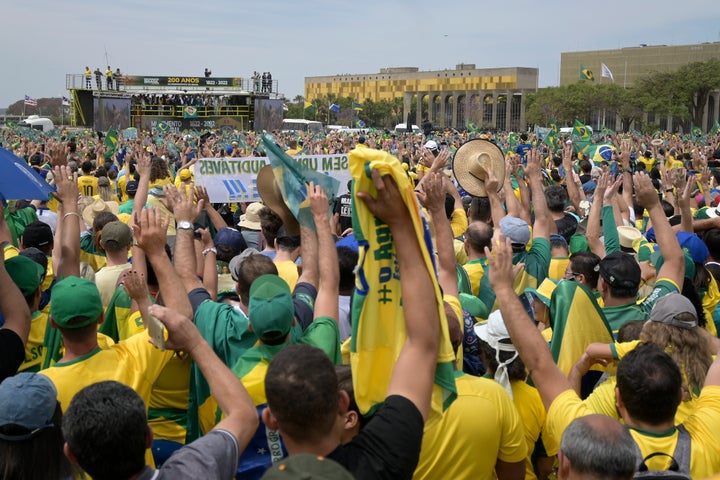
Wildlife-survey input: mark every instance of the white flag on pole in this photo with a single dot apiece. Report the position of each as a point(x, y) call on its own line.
point(606, 72)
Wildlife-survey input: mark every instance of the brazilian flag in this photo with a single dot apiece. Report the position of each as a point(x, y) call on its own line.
point(577, 321)
point(360, 124)
point(472, 126)
point(357, 106)
point(607, 131)
point(586, 73)
point(601, 152)
point(292, 179)
point(111, 142)
point(715, 128)
point(190, 112)
point(378, 317)
point(550, 140)
point(581, 132)
point(696, 132)
point(554, 128)
point(162, 126)
point(309, 106)
point(513, 139)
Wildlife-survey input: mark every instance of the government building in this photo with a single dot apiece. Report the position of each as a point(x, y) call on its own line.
point(489, 97)
point(629, 64)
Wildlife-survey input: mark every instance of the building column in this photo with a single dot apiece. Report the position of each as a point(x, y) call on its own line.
point(523, 124)
point(418, 109)
point(407, 105)
point(704, 116)
point(454, 110)
point(508, 110)
point(494, 108)
point(716, 110)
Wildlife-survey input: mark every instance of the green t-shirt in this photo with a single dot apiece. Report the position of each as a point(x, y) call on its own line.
point(127, 207)
point(621, 314)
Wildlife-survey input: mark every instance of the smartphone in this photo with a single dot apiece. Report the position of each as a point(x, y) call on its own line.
point(156, 331)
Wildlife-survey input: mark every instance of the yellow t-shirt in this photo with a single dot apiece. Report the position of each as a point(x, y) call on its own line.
point(121, 184)
point(460, 253)
point(532, 415)
point(167, 413)
point(35, 346)
point(288, 271)
point(558, 266)
point(153, 201)
point(88, 185)
point(603, 400)
point(458, 222)
point(703, 425)
point(134, 362)
point(106, 280)
point(447, 442)
point(475, 272)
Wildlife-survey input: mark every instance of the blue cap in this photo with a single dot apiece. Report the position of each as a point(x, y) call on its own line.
point(28, 400)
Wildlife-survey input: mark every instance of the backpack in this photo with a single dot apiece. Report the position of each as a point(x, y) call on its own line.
point(680, 467)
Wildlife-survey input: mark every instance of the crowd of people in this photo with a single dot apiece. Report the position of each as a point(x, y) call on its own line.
point(555, 315)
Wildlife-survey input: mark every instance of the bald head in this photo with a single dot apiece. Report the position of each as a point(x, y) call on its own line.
point(477, 237)
point(596, 446)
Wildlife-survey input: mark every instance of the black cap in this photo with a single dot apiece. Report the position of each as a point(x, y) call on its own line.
point(37, 234)
point(621, 270)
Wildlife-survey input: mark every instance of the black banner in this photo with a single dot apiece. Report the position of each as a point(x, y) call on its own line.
point(222, 82)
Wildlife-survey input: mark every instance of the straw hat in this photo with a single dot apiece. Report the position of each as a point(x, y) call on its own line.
point(273, 199)
point(98, 206)
point(656, 141)
point(471, 162)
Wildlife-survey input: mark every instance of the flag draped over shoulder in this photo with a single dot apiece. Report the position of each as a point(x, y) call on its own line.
point(377, 313)
point(586, 73)
point(577, 321)
point(292, 178)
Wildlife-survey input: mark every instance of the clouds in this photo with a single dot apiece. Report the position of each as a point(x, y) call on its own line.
point(43, 40)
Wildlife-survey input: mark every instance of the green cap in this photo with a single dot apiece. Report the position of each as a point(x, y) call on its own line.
point(117, 232)
point(270, 308)
point(25, 273)
point(474, 305)
point(578, 243)
point(75, 297)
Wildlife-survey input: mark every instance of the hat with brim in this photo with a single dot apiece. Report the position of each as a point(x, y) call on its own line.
point(97, 207)
point(544, 291)
point(473, 160)
point(627, 235)
point(273, 199)
point(251, 218)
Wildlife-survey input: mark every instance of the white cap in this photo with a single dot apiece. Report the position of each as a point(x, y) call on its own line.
point(492, 333)
point(431, 145)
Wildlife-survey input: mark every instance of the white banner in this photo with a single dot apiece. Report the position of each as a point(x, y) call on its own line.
point(233, 179)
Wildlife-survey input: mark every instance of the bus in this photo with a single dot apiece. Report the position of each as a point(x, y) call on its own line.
point(302, 125)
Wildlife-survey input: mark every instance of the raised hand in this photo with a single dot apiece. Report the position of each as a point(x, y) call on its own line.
point(150, 231)
point(387, 204)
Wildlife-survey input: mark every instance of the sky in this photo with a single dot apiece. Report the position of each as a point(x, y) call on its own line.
point(43, 40)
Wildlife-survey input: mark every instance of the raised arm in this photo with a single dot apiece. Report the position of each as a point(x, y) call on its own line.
point(143, 169)
point(326, 303)
point(241, 419)
point(414, 371)
point(496, 206)
point(532, 347)
point(14, 308)
point(543, 220)
point(593, 224)
point(185, 210)
point(151, 235)
point(673, 267)
point(433, 198)
point(572, 187)
point(67, 194)
point(217, 220)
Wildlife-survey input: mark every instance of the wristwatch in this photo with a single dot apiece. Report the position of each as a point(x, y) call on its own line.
point(184, 225)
